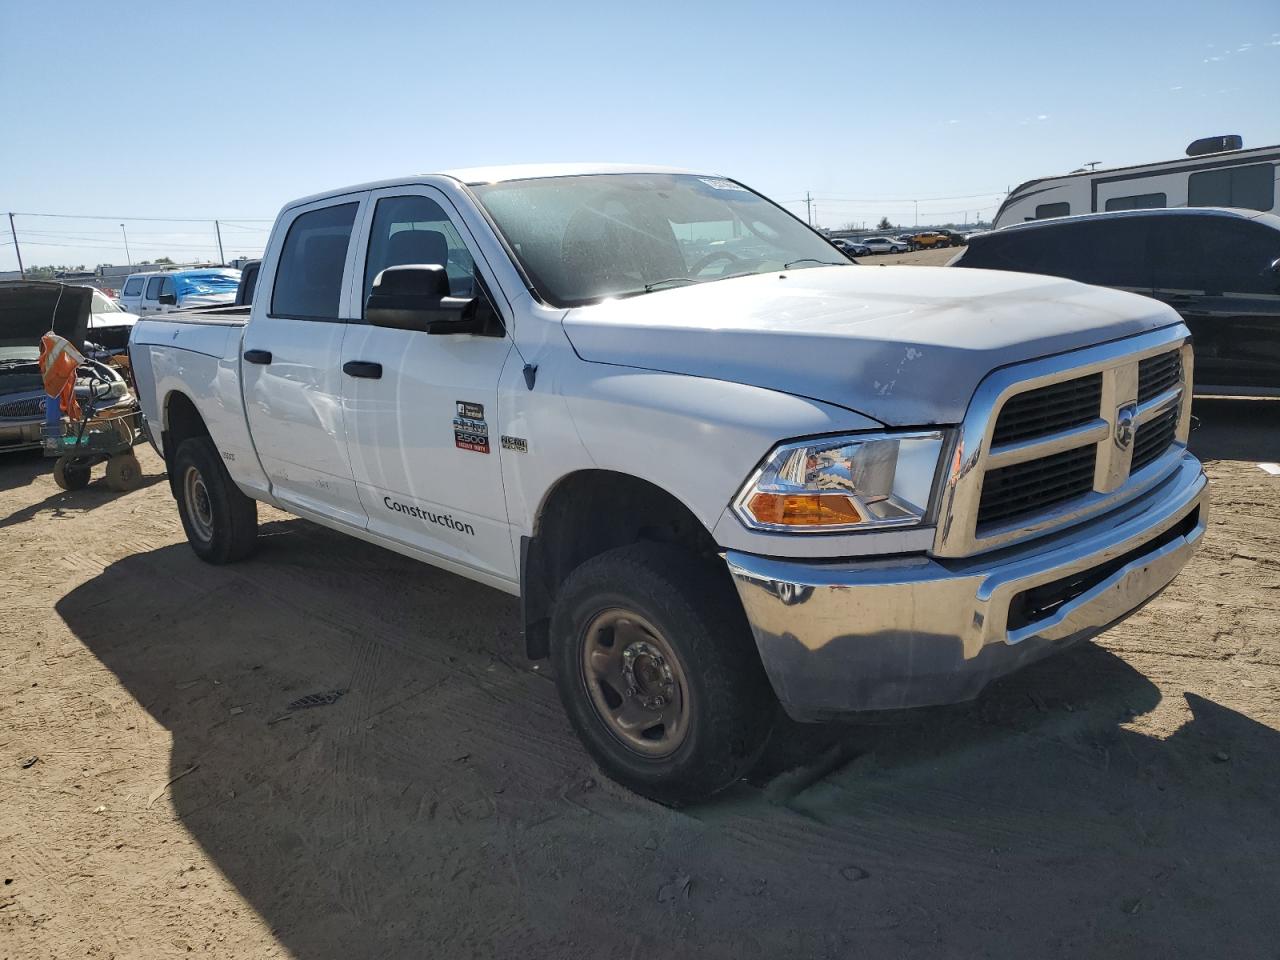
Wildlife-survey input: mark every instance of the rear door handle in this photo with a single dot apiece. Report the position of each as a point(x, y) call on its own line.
point(363, 368)
point(258, 356)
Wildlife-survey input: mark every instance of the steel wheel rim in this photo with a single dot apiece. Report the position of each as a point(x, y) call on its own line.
point(636, 682)
point(199, 508)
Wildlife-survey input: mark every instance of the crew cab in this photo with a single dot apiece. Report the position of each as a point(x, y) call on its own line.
point(723, 468)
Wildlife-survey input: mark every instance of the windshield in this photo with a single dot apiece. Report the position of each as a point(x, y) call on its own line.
point(206, 284)
point(581, 239)
point(103, 304)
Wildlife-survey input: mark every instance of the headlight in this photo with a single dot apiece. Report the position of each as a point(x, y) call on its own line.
point(843, 483)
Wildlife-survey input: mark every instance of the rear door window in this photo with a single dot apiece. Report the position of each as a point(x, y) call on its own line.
point(308, 282)
point(132, 287)
point(1178, 254)
point(1114, 253)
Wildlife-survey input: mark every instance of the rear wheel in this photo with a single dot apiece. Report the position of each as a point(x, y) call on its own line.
point(70, 475)
point(658, 672)
point(124, 473)
point(221, 522)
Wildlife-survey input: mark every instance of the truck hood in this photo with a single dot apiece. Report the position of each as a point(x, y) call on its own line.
point(31, 308)
point(904, 345)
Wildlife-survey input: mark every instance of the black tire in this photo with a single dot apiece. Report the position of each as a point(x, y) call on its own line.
point(221, 522)
point(730, 707)
point(70, 475)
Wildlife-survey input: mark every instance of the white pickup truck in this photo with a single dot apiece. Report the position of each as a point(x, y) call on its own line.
point(723, 467)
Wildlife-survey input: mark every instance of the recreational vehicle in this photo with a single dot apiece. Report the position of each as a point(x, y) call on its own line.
point(1215, 173)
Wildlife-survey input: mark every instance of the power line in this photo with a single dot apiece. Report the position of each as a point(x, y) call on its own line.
point(95, 216)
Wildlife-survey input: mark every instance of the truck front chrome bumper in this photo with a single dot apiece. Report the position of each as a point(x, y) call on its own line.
point(914, 631)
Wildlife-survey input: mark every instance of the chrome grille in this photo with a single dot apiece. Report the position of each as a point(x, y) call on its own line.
point(1153, 438)
point(27, 408)
point(1054, 441)
point(1032, 486)
point(1158, 374)
point(1044, 410)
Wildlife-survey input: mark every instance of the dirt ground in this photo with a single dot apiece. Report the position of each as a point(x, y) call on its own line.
point(1116, 801)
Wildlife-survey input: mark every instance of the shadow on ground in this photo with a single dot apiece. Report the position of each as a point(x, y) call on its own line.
point(440, 806)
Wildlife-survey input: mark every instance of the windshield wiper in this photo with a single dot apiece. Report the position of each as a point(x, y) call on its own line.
point(650, 287)
point(825, 263)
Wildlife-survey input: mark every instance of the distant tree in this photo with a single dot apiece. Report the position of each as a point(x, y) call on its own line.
point(162, 260)
point(50, 271)
point(884, 224)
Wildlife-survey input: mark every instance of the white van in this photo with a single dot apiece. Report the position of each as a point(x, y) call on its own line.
point(1227, 177)
point(166, 291)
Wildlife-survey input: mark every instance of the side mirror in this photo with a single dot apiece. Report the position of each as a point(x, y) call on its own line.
point(416, 297)
point(167, 299)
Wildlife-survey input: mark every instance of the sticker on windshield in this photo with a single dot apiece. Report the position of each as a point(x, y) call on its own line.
point(716, 183)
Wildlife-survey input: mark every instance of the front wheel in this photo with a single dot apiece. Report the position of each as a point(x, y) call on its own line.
point(221, 523)
point(658, 672)
point(70, 475)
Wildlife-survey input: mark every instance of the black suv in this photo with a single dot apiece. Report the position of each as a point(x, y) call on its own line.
point(1219, 268)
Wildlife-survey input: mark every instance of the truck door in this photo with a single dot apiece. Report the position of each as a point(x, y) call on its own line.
point(421, 409)
point(291, 367)
point(1239, 309)
point(151, 296)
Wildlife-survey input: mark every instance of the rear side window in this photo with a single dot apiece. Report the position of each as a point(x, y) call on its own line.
point(1140, 201)
point(132, 287)
point(309, 278)
point(1252, 187)
point(1047, 210)
point(153, 287)
point(417, 230)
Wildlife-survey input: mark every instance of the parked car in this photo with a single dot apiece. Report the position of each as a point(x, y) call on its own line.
point(929, 240)
point(109, 324)
point(28, 310)
point(714, 489)
point(851, 248)
point(168, 291)
point(953, 238)
point(1219, 268)
point(883, 245)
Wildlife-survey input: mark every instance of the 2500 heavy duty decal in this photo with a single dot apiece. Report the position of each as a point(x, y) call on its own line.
point(440, 519)
point(470, 431)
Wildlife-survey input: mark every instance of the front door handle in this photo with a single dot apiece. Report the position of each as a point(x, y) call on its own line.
point(258, 356)
point(363, 368)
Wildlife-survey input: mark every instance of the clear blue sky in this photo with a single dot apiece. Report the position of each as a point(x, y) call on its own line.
point(231, 109)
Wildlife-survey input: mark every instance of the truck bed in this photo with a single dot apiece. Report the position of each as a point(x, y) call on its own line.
point(232, 315)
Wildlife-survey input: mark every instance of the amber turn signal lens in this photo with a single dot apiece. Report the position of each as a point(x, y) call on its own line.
point(804, 509)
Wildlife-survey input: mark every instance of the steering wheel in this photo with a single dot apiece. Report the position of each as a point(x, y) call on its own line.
point(711, 258)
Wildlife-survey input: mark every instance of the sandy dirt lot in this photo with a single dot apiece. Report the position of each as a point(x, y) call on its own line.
point(1117, 801)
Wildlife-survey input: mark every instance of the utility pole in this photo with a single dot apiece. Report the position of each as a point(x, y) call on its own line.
point(917, 203)
point(222, 259)
point(808, 208)
point(21, 270)
point(127, 256)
